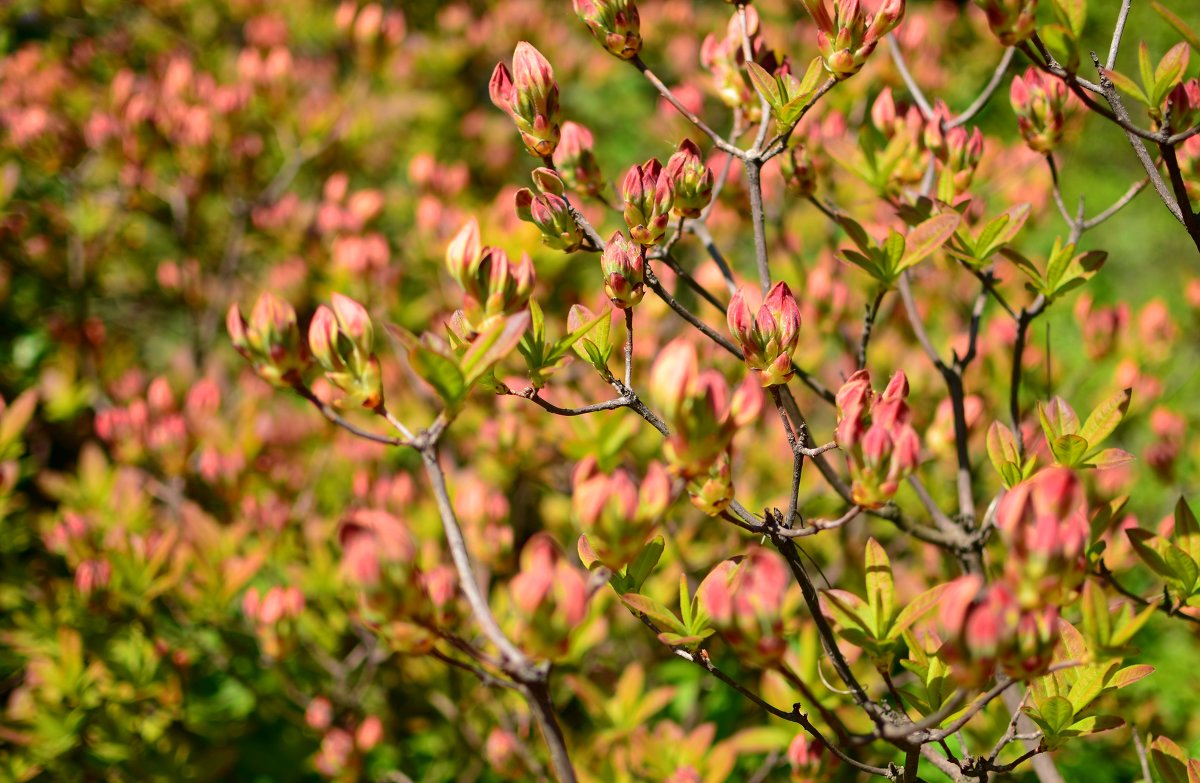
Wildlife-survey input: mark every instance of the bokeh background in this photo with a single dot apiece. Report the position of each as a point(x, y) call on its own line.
point(164, 159)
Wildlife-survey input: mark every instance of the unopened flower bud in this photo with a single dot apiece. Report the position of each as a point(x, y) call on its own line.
point(624, 265)
point(530, 96)
point(576, 162)
point(769, 338)
point(614, 23)
point(648, 199)
point(342, 341)
point(271, 339)
point(1012, 21)
point(1040, 102)
point(691, 180)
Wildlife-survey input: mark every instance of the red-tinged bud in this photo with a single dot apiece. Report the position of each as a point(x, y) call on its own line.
point(576, 161)
point(92, 575)
point(550, 597)
point(503, 752)
point(342, 340)
point(623, 263)
point(691, 180)
point(319, 714)
point(648, 196)
point(530, 96)
point(271, 340)
point(655, 494)
point(769, 339)
point(1040, 103)
point(523, 201)
point(617, 517)
point(799, 173)
point(1012, 21)
point(713, 492)
point(873, 431)
point(672, 376)
point(1184, 100)
point(464, 253)
point(745, 405)
point(547, 181)
point(614, 23)
point(986, 627)
point(1044, 523)
point(883, 113)
point(369, 733)
point(848, 38)
point(495, 287)
point(749, 603)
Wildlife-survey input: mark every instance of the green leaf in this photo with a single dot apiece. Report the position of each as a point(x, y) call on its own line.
point(1094, 724)
point(916, 609)
point(881, 591)
point(1073, 14)
point(927, 237)
point(1088, 685)
point(1068, 450)
point(567, 343)
point(1187, 531)
point(1057, 712)
point(1130, 674)
point(1183, 568)
point(1058, 418)
point(1097, 622)
point(1147, 71)
point(1105, 418)
point(1170, 760)
point(643, 565)
point(1062, 44)
point(656, 612)
point(493, 345)
point(1180, 26)
point(1169, 71)
point(1127, 86)
point(767, 86)
point(1140, 540)
point(439, 371)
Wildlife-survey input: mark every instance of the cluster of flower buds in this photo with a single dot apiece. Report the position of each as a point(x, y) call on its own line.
point(691, 180)
point(768, 339)
point(985, 627)
point(494, 286)
point(550, 597)
point(624, 265)
point(614, 23)
point(701, 410)
point(1012, 21)
point(277, 604)
point(1043, 522)
point(270, 341)
point(649, 197)
point(808, 759)
point(615, 514)
point(1040, 102)
point(548, 210)
point(91, 575)
point(712, 492)
point(576, 162)
point(958, 151)
point(749, 601)
point(725, 59)
point(340, 754)
point(874, 431)
point(847, 38)
point(530, 96)
point(903, 127)
point(342, 340)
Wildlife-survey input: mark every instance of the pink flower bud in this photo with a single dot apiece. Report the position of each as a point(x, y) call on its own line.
point(691, 180)
point(319, 714)
point(623, 263)
point(767, 341)
point(648, 196)
point(464, 252)
point(1012, 21)
point(369, 733)
point(576, 161)
point(530, 96)
point(614, 23)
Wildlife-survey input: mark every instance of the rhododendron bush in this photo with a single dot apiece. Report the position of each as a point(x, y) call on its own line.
point(795, 390)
